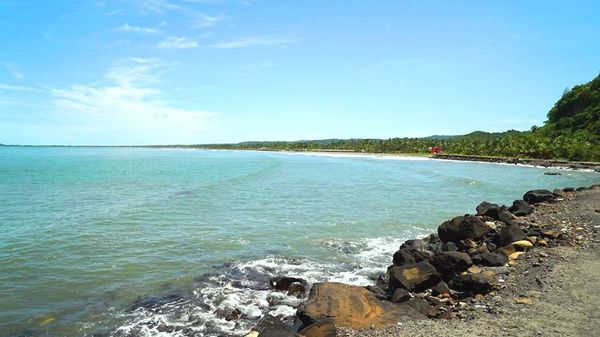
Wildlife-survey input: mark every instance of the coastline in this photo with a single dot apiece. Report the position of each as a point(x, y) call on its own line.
point(559, 268)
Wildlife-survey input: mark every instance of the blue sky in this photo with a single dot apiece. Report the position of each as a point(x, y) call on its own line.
point(206, 71)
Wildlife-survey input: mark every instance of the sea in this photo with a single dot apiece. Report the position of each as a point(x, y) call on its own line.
point(182, 242)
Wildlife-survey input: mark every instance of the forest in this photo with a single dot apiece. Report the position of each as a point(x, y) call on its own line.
point(571, 131)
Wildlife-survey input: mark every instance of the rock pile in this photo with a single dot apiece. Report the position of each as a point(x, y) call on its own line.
point(439, 276)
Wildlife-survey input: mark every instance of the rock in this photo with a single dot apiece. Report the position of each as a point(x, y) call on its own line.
point(322, 328)
point(542, 243)
point(515, 256)
point(559, 193)
point(440, 288)
point(418, 304)
point(252, 334)
point(569, 189)
point(352, 307)
point(439, 312)
point(414, 277)
point(283, 282)
point(379, 292)
point(474, 269)
point(510, 234)
point(416, 244)
point(233, 315)
point(490, 259)
point(278, 332)
point(400, 295)
point(449, 247)
point(462, 227)
point(537, 196)
point(581, 188)
point(523, 244)
point(507, 250)
point(451, 262)
point(296, 289)
point(524, 300)
point(500, 213)
point(552, 173)
point(520, 208)
point(409, 255)
point(475, 283)
point(552, 233)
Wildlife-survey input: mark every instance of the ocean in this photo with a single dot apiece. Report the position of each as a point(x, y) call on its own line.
point(169, 242)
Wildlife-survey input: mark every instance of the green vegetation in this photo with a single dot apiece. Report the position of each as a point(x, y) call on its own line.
point(571, 132)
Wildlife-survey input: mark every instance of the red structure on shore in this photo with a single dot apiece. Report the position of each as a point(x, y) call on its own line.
point(435, 150)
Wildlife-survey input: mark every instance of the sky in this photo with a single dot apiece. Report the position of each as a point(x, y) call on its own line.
point(140, 72)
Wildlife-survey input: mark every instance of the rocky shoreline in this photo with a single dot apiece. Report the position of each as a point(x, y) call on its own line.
point(574, 165)
point(474, 269)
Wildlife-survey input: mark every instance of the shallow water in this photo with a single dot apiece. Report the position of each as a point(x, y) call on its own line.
point(85, 232)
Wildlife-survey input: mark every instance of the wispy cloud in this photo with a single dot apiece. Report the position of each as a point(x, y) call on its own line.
point(207, 21)
point(14, 71)
point(135, 29)
point(12, 87)
point(253, 42)
point(177, 43)
point(131, 103)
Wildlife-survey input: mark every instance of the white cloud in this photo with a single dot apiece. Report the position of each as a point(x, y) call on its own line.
point(6, 86)
point(135, 29)
point(131, 104)
point(14, 71)
point(207, 21)
point(252, 42)
point(177, 43)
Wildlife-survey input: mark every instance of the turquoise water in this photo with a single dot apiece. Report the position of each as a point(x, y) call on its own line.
point(85, 232)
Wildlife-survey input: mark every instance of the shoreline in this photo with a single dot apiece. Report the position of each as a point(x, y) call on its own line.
point(564, 225)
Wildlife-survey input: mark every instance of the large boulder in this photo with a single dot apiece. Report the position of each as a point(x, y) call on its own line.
point(352, 307)
point(500, 213)
point(490, 259)
point(414, 277)
point(479, 283)
point(462, 227)
point(322, 328)
point(417, 244)
point(536, 196)
point(278, 332)
point(451, 262)
point(510, 234)
point(520, 208)
point(284, 282)
point(410, 255)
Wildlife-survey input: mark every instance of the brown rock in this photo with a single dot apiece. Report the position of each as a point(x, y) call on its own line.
point(353, 307)
point(322, 328)
point(414, 277)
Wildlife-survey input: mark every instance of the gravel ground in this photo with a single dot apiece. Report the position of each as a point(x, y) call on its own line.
point(562, 282)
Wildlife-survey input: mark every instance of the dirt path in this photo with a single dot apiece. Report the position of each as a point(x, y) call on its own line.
point(563, 282)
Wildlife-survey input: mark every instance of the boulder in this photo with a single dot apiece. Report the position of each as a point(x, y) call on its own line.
point(283, 282)
point(451, 262)
point(417, 244)
point(510, 234)
point(520, 208)
point(462, 227)
point(296, 289)
point(278, 332)
point(352, 307)
point(380, 293)
point(409, 255)
point(487, 209)
point(569, 189)
point(418, 304)
point(475, 283)
point(414, 277)
point(536, 196)
point(559, 193)
point(440, 288)
point(400, 295)
point(321, 328)
point(552, 173)
point(449, 247)
point(490, 259)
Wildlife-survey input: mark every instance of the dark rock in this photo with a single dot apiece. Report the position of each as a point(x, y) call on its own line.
point(435, 248)
point(297, 289)
point(520, 208)
point(552, 173)
point(418, 304)
point(379, 292)
point(491, 246)
point(415, 244)
point(322, 328)
point(536, 196)
point(510, 234)
point(475, 283)
point(462, 227)
point(487, 209)
point(284, 282)
point(414, 277)
point(559, 193)
point(400, 295)
point(233, 315)
point(439, 312)
point(451, 262)
point(278, 331)
point(409, 255)
point(569, 189)
point(490, 259)
point(440, 288)
point(449, 247)
point(581, 188)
